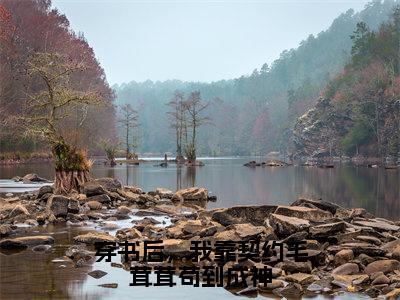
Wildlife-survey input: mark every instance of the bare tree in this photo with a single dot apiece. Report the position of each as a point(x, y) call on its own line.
point(129, 122)
point(46, 112)
point(195, 109)
point(178, 119)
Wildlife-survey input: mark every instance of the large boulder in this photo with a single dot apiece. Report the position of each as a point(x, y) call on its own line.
point(248, 231)
point(191, 194)
point(326, 230)
point(128, 195)
point(58, 205)
point(301, 212)
point(254, 214)
point(284, 225)
point(26, 241)
point(109, 184)
point(92, 188)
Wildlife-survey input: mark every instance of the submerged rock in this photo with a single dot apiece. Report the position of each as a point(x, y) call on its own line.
point(26, 241)
point(97, 274)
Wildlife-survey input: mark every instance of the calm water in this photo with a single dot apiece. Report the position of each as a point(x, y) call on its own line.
point(376, 189)
point(30, 275)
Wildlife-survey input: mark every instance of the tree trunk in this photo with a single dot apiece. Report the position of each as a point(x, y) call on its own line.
point(67, 181)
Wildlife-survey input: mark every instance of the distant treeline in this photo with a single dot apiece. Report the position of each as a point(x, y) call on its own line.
point(256, 113)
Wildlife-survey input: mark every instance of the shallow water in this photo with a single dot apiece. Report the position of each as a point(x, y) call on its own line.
point(375, 189)
point(30, 275)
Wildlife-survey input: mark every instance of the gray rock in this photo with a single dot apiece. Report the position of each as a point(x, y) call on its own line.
point(253, 214)
point(327, 206)
point(109, 184)
point(46, 189)
point(326, 230)
point(93, 189)
point(285, 226)
point(378, 225)
point(292, 290)
point(306, 213)
point(73, 206)
point(97, 274)
point(58, 205)
point(295, 267)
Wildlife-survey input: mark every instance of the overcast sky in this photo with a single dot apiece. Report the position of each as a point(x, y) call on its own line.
point(197, 40)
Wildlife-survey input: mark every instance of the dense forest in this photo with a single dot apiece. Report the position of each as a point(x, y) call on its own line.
point(359, 110)
point(32, 33)
point(254, 114)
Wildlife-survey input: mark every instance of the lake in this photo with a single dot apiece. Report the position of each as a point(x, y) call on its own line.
point(375, 189)
point(31, 275)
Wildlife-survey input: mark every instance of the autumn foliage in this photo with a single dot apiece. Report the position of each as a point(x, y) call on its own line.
point(26, 29)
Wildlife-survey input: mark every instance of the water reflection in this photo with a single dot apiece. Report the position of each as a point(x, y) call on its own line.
point(375, 189)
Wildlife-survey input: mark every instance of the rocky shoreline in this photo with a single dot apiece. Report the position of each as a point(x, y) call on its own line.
point(348, 250)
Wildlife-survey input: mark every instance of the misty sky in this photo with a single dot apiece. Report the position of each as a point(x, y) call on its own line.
point(195, 40)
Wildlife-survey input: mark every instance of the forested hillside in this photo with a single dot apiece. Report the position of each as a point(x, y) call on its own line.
point(32, 29)
point(256, 113)
point(358, 112)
